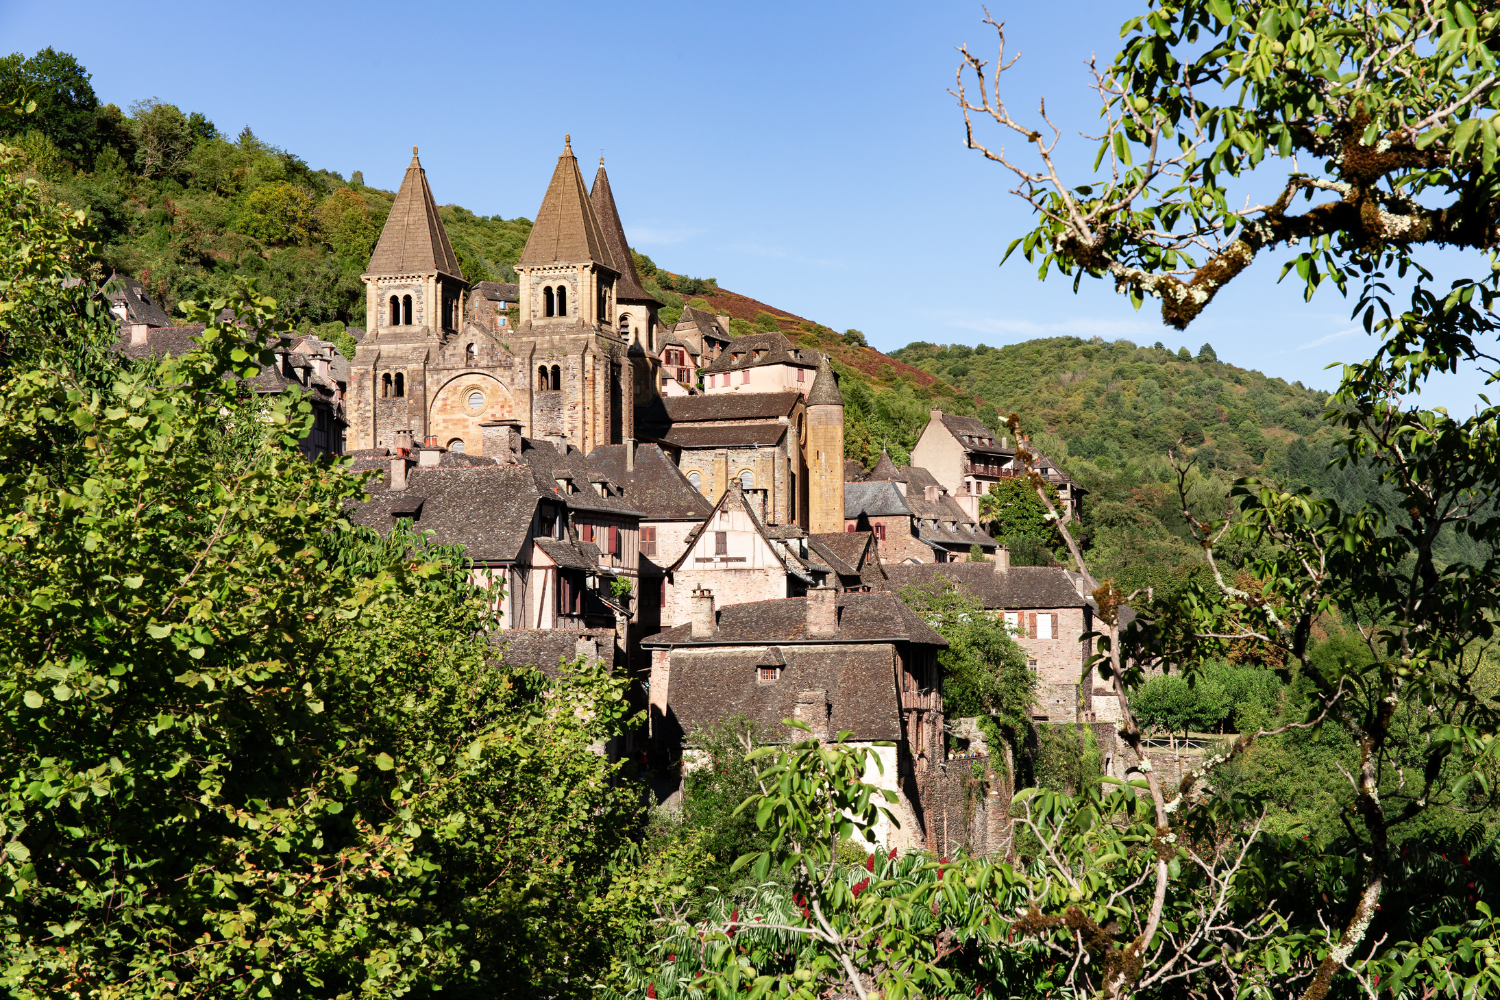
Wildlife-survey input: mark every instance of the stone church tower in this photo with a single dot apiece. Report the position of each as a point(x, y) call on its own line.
point(825, 453)
point(636, 310)
point(420, 369)
point(576, 362)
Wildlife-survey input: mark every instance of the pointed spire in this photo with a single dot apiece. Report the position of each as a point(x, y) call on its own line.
point(566, 229)
point(825, 387)
point(885, 470)
point(629, 288)
point(414, 240)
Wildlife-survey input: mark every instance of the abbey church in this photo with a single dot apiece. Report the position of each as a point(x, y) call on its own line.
point(582, 366)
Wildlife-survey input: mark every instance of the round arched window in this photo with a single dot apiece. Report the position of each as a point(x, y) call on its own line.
point(696, 480)
point(456, 446)
point(747, 480)
point(476, 400)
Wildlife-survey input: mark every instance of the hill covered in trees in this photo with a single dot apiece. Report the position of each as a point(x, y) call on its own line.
point(187, 209)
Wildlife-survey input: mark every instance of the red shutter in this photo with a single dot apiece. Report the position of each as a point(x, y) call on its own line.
point(614, 540)
point(1031, 624)
point(586, 532)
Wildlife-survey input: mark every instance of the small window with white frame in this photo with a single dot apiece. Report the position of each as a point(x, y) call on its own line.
point(768, 674)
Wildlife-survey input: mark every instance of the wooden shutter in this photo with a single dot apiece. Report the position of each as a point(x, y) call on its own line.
point(614, 540)
point(586, 532)
point(1031, 625)
point(721, 543)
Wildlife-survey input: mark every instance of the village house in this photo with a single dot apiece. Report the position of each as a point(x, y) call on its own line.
point(967, 458)
point(702, 334)
point(864, 664)
point(1048, 615)
point(912, 516)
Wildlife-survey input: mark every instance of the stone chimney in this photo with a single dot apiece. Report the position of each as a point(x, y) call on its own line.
point(139, 334)
point(812, 709)
point(934, 414)
point(1002, 558)
point(723, 319)
point(704, 625)
point(630, 454)
point(930, 494)
point(398, 474)
point(822, 612)
point(402, 442)
point(431, 454)
point(499, 440)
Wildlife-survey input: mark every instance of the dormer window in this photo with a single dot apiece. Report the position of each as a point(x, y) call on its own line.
point(767, 675)
point(738, 357)
point(565, 486)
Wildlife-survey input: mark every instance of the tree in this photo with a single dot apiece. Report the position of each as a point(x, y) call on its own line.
point(855, 338)
point(1206, 353)
point(284, 213)
point(163, 136)
point(1013, 510)
point(984, 669)
point(65, 99)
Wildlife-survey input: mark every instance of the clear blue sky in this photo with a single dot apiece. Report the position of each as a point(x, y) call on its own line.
point(806, 154)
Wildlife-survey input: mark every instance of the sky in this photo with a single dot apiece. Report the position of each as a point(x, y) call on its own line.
point(806, 154)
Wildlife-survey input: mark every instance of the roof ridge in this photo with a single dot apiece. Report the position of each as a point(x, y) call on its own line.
point(413, 239)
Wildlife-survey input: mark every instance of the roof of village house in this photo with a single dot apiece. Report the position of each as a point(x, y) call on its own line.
point(414, 240)
point(570, 554)
point(547, 649)
point(136, 301)
point(974, 435)
point(1053, 473)
point(499, 291)
point(825, 387)
point(756, 349)
point(726, 436)
point(877, 617)
point(566, 230)
point(551, 461)
point(1018, 588)
point(885, 470)
point(162, 340)
point(851, 553)
point(706, 323)
point(628, 289)
point(878, 498)
point(858, 682)
point(775, 537)
point(656, 485)
point(725, 406)
point(486, 508)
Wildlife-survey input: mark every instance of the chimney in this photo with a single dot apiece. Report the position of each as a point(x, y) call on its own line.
point(822, 612)
point(930, 494)
point(431, 454)
point(398, 475)
point(934, 414)
point(704, 625)
point(812, 708)
point(1002, 558)
point(138, 334)
point(630, 454)
point(402, 442)
point(723, 319)
point(499, 440)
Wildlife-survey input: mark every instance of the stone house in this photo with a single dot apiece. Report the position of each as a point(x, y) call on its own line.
point(1049, 615)
point(742, 559)
point(486, 308)
point(703, 334)
point(762, 362)
point(913, 527)
point(938, 520)
point(967, 458)
point(858, 663)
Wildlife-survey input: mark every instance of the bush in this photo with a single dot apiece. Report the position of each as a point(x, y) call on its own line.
point(765, 322)
point(855, 339)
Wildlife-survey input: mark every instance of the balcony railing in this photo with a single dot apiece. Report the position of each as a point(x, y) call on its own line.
point(981, 469)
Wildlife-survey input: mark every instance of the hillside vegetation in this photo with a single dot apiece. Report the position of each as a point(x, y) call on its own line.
point(187, 210)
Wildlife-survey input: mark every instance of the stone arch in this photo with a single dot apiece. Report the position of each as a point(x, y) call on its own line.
point(453, 414)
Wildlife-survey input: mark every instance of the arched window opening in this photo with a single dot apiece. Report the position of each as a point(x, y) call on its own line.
point(471, 354)
point(400, 384)
point(385, 385)
point(456, 446)
point(548, 306)
point(562, 301)
point(747, 480)
point(395, 311)
point(696, 480)
point(624, 323)
point(541, 378)
point(556, 378)
point(406, 310)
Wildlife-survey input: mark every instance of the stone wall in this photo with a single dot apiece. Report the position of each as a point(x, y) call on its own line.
point(825, 469)
point(1058, 661)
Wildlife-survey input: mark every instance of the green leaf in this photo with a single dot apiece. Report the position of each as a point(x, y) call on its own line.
point(384, 761)
point(33, 699)
point(1462, 136)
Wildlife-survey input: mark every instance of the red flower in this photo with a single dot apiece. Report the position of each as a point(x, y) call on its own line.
point(893, 854)
point(806, 913)
point(734, 917)
point(870, 863)
point(651, 990)
point(859, 887)
point(672, 957)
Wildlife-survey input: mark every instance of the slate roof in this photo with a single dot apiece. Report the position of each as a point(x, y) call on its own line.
point(569, 554)
point(414, 240)
point(724, 406)
point(566, 230)
point(825, 388)
point(1019, 588)
point(655, 486)
point(497, 291)
point(878, 617)
point(163, 340)
point(886, 470)
point(136, 301)
point(850, 554)
point(549, 462)
point(775, 350)
point(878, 498)
point(706, 323)
point(858, 681)
point(726, 436)
point(487, 509)
point(965, 427)
point(546, 649)
point(628, 289)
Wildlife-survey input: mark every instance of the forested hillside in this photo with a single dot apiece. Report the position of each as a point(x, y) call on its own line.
point(187, 209)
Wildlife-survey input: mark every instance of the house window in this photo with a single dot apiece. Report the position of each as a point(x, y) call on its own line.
point(747, 480)
point(385, 385)
point(400, 384)
point(849, 529)
point(648, 540)
point(696, 480)
point(556, 378)
point(549, 307)
point(745, 377)
point(562, 301)
point(471, 354)
point(768, 675)
point(406, 310)
point(586, 532)
point(880, 532)
point(1013, 621)
point(721, 543)
point(801, 374)
point(456, 446)
point(1032, 665)
point(624, 323)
